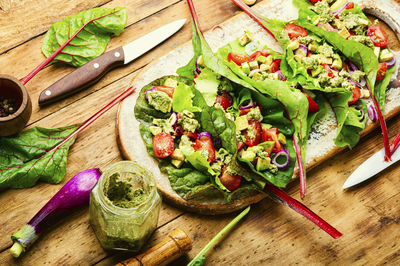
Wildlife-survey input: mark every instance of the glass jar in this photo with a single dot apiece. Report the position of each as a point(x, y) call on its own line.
point(119, 228)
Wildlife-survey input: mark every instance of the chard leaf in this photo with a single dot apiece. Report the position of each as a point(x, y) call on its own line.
point(197, 160)
point(183, 99)
point(381, 86)
point(207, 83)
point(29, 157)
point(91, 41)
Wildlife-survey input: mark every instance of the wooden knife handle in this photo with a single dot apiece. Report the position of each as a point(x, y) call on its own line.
point(83, 76)
point(168, 250)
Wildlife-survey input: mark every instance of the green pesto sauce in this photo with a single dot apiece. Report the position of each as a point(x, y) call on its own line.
point(121, 192)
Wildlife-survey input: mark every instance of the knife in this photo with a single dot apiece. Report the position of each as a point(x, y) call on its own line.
point(373, 165)
point(94, 70)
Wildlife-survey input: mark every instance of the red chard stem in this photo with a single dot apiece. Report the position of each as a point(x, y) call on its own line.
point(194, 16)
point(302, 174)
point(395, 144)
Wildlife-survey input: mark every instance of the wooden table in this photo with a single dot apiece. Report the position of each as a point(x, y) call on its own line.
point(368, 215)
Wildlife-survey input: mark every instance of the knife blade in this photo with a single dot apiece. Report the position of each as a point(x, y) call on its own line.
point(94, 70)
point(372, 166)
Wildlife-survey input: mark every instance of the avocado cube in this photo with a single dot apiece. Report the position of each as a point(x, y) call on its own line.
point(176, 163)
point(293, 45)
point(245, 39)
point(257, 76)
point(377, 51)
point(365, 94)
point(169, 82)
point(264, 67)
point(200, 60)
point(253, 65)
point(339, 24)
point(248, 156)
point(269, 60)
point(337, 63)
point(344, 33)
point(245, 67)
point(282, 138)
point(241, 123)
point(274, 76)
point(256, 149)
point(263, 164)
point(268, 146)
point(316, 72)
point(298, 58)
point(313, 47)
point(261, 59)
point(155, 130)
point(324, 60)
point(265, 126)
point(178, 155)
point(385, 55)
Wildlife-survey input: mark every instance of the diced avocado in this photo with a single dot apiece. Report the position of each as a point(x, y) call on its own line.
point(178, 155)
point(245, 39)
point(263, 164)
point(337, 63)
point(245, 67)
point(200, 60)
point(293, 45)
point(176, 163)
point(256, 149)
point(170, 82)
point(253, 65)
point(338, 4)
point(273, 76)
point(344, 33)
point(338, 24)
point(317, 71)
point(241, 123)
point(261, 59)
point(266, 126)
point(155, 130)
point(377, 51)
point(282, 138)
point(253, 72)
point(385, 55)
point(268, 146)
point(248, 156)
point(264, 67)
point(269, 60)
point(365, 94)
point(298, 58)
point(313, 47)
point(257, 76)
point(324, 60)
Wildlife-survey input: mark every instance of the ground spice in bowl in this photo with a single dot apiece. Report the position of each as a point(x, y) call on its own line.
point(8, 106)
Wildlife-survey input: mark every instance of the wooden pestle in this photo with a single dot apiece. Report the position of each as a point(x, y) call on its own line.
point(168, 250)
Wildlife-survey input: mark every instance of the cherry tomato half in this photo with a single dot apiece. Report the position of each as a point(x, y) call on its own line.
point(230, 181)
point(223, 101)
point(382, 68)
point(191, 135)
point(315, 1)
point(329, 70)
point(295, 31)
point(238, 58)
point(263, 52)
point(356, 95)
point(205, 144)
point(276, 64)
point(239, 145)
point(378, 35)
point(350, 5)
point(312, 105)
point(163, 145)
point(269, 134)
point(256, 134)
point(166, 89)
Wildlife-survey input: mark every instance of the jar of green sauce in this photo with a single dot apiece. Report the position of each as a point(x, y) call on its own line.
point(124, 207)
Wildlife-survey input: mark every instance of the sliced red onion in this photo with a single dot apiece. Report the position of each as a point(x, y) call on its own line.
point(285, 153)
point(248, 106)
point(362, 112)
point(198, 70)
point(227, 95)
point(339, 10)
point(363, 82)
point(280, 75)
point(145, 95)
point(178, 132)
point(353, 66)
point(302, 50)
point(173, 119)
point(391, 62)
point(372, 112)
point(204, 134)
point(253, 72)
point(334, 68)
point(355, 83)
point(222, 35)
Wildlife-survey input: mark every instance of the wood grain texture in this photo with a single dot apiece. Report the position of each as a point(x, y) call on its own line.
point(368, 215)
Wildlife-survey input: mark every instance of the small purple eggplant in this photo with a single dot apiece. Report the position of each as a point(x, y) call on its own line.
point(74, 194)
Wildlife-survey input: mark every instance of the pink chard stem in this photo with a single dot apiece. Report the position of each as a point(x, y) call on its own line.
point(58, 51)
point(97, 115)
point(302, 174)
point(194, 15)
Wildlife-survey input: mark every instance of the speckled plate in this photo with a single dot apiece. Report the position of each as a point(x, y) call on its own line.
point(320, 145)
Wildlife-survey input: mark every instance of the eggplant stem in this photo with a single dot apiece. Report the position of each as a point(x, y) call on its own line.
point(56, 52)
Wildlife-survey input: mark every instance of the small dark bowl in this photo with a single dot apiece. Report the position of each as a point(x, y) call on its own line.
point(11, 87)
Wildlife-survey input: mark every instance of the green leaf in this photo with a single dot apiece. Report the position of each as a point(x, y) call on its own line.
point(183, 99)
point(91, 41)
point(207, 83)
point(28, 157)
point(197, 160)
point(381, 86)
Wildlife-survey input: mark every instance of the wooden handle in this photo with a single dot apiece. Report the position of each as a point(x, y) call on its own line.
point(168, 250)
point(82, 77)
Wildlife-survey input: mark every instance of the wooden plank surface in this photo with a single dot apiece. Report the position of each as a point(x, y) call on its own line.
point(367, 215)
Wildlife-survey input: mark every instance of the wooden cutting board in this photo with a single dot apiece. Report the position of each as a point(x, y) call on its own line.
point(320, 146)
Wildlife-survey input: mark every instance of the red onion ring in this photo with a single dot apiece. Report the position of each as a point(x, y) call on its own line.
point(151, 89)
point(334, 68)
point(353, 66)
point(355, 83)
point(280, 75)
point(198, 70)
point(362, 112)
point(174, 119)
point(221, 30)
point(204, 134)
point(302, 49)
point(391, 62)
point(339, 10)
point(372, 112)
point(248, 106)
point(284, 152)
